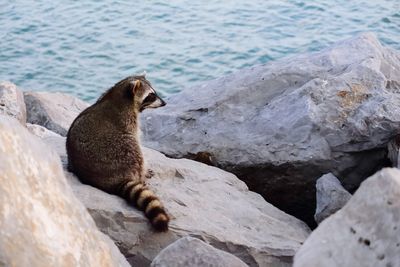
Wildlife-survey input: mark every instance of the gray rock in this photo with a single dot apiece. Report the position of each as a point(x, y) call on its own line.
point(366, 232)
point(54, 140)
point(331, 197)
point(204, 202)
point(12, 102)
point(290, 121)
point(189, 251)
point(42, 223)
point(54, 111)
point(393, 151)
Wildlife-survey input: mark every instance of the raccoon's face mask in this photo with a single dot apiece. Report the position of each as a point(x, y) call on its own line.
point(147, 96)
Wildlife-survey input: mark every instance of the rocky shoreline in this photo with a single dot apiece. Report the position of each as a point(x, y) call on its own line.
point(274, 128)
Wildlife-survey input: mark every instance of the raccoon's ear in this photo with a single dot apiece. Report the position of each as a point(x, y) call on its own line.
point(136, 85)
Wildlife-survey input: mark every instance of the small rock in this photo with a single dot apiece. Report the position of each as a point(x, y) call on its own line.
point(393, 151)
point(55, 111)
point(189, 251)
point(42, 223)
point(12, 102)
point(365, 232)
point(331, 197)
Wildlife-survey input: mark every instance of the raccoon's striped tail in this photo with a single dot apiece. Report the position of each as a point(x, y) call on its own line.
point(144, 199)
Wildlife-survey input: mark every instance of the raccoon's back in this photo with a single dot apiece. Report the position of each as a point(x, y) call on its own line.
point(96, 148)
point(83, 146)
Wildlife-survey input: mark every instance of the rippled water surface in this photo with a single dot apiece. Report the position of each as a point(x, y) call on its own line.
point(84, 47)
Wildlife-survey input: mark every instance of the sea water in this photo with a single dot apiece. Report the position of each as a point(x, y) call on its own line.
point(84, 47)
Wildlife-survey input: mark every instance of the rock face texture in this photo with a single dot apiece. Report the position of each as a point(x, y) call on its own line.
point(12, 102)
point(41, 221)
point(331, 197)
point(55, 111)
point(290, 121)
point(204, 202)
point(366, 232)
point(189, 251)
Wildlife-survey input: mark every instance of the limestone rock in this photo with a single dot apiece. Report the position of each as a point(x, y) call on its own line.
point(204, 202)
point(55, 111)
point(331, 197)
point(189, 251)
point(42, 223)
point(365, 232)
point(290, 121)
point(12, 102)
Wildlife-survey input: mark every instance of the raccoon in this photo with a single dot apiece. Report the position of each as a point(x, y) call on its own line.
point(104, 149)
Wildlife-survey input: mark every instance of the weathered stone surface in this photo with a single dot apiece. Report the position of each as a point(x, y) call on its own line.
point(366, 232)
point(55, 111)
point(204, 202)
point(331, 197)
point(12, 102)
point(189, 251)
point(290, 121)
point(41, 221)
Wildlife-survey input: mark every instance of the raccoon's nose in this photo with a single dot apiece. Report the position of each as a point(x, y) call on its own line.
point(162, 103)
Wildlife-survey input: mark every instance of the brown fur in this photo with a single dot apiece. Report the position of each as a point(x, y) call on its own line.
point(104, 150)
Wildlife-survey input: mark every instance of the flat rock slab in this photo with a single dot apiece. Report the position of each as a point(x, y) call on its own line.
point(42, 223)
point(193, 252)
point(331, 197)
point(290, 121)
point(365, 232)
point(204, 202)
point(54, 111)
point(12, 102)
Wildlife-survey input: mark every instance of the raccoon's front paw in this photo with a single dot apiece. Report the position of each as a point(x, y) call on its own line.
point(149, 174)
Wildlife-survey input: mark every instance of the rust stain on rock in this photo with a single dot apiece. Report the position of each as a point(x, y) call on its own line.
point(351, 100)
point(356, 95)
point(203, 157)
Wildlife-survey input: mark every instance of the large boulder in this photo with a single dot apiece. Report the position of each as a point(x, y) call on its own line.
point(282, 125)
point(204, 202)
point(366, 232)
point(55, 111)
point(331, 197)
point(12, 102)
point(189, 251)
point(41, 221)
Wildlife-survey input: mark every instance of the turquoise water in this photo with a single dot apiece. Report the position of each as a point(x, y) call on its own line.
point(84, 47)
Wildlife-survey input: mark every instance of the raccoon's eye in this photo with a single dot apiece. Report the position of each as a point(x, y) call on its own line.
point(149, 99)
